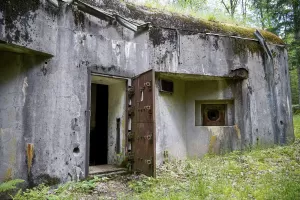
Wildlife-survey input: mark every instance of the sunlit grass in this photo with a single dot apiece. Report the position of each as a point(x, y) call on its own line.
point(272, 173)
point(297, 126)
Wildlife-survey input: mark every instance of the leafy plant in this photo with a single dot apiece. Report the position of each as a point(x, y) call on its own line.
point(66, 191)
point(10, 185)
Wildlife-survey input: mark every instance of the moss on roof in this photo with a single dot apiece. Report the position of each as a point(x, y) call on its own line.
point(167, 19)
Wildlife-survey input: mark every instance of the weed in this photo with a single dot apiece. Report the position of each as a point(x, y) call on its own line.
point(10, 185)
point(70, 190)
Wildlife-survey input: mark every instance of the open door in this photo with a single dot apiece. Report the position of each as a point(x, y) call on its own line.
point(142, 117)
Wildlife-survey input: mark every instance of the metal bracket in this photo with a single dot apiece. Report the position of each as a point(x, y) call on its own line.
point(148, 84)
point(130, 91)
point(130, 135)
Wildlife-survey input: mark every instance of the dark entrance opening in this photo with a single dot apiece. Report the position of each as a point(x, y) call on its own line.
point(99, 125)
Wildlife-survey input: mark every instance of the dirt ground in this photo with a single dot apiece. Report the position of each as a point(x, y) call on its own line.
point(114, 188)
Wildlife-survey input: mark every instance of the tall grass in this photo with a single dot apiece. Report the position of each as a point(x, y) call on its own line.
point(272, 173)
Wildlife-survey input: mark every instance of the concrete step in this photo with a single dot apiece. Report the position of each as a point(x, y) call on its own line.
point(106, 170)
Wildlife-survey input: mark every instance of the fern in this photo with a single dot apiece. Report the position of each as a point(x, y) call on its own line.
point(10, 185)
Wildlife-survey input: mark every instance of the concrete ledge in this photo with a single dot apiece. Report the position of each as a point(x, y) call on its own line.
point(4, 46)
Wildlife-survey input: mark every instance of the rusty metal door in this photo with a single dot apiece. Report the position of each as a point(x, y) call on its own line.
point(142, 133)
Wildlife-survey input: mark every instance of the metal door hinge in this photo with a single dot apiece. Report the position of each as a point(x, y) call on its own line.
point(130, 91)
point(130, 135)
point(131, 110)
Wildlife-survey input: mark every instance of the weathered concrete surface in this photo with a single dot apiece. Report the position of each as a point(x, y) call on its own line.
point(13, 90)
point(198, 137)
point(170, 122)
point(177, 130)
point(51, 98)
point(43, 102)
point(116, 109)
point(262, 113)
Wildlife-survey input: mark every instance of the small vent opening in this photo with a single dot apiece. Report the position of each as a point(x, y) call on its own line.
point(166, 86)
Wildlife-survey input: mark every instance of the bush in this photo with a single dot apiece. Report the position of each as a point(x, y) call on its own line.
point(296, 109)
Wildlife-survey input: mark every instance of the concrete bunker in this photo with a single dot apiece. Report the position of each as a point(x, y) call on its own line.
point(222, 92)
point(107, 122)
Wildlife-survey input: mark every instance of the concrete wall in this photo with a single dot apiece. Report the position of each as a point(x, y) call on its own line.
point(200, 139)
point(53, 115)
point(116, 109)
point(13, 91)
point(170, 122)
point(46, 114)
point(176, 129)
point(262, 102)
point(93, 107)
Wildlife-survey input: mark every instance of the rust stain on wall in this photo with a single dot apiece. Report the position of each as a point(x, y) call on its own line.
point(8, 174)
point(212, 143)
point(29, 151)
point(238, 131)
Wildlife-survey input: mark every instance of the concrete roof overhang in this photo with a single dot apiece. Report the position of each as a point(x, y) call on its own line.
point(5, 46)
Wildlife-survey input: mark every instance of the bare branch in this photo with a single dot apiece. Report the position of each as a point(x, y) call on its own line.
point(227, 9)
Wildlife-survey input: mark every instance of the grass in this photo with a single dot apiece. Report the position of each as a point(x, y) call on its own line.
point(272, 173)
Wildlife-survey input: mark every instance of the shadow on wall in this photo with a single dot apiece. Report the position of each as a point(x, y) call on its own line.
point(14, 64)
point(14, 69)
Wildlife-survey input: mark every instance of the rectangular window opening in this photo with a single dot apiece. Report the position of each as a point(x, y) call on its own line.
point(214, 113)
point(166, 86)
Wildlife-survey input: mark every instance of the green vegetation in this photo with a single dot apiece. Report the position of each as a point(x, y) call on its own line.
point(294, 85)
point(10, 185)
point(203, 21)
point(272, 173)
point(70, 190)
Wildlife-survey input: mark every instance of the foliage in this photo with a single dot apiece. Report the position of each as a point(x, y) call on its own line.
point(194, 8)
point(70, 190)
point(294, 85)
point(10, 185)
point(297, 127)
point(192, 4)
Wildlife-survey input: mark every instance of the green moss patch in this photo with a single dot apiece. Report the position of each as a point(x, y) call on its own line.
point(162, 18)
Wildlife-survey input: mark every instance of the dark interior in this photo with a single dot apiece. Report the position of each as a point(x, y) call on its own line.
point(98, 136)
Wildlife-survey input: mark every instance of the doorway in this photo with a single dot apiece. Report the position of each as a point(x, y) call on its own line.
point(107, 123)
point(99, 125)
